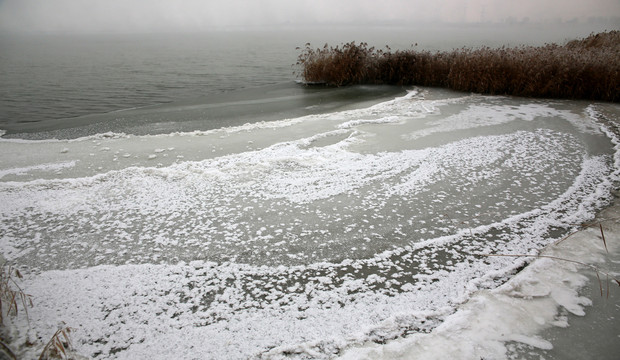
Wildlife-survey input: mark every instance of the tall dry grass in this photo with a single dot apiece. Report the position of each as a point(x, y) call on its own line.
point(12, 298)
point(581, 69)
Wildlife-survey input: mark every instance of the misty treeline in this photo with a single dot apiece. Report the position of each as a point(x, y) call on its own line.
point(581, 69)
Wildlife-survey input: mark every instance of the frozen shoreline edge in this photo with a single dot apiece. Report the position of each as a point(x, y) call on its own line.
point(497, 323)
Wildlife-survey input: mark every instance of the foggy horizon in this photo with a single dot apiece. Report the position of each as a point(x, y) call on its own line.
point(144, 16)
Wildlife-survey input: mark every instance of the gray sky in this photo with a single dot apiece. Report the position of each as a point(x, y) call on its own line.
point(193, 15)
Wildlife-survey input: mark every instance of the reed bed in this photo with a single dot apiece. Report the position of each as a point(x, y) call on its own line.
point(588, 68)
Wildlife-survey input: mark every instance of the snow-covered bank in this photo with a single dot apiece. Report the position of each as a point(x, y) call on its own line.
point(510, 322)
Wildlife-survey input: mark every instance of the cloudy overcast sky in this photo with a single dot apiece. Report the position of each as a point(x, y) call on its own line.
point(192, 15)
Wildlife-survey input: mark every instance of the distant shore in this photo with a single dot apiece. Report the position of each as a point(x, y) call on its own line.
point(580, 69)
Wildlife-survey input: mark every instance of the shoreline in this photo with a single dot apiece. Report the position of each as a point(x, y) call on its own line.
point(582, 308)
point(541, 312)
point(599, 316)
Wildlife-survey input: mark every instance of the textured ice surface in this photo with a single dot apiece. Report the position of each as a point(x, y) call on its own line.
point(299, 237)
point(508, 322)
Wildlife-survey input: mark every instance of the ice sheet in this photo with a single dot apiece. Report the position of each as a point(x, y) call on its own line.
point(301, 237)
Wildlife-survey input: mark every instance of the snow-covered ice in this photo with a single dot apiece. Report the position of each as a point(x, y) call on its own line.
point(332, 235)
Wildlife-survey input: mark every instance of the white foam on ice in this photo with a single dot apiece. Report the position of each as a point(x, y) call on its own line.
point(304, 247)
point(50, 167)
point(480, 115)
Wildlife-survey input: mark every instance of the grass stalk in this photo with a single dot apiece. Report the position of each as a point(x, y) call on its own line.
point(12, 298)
point(59, 345)
point(594, 268)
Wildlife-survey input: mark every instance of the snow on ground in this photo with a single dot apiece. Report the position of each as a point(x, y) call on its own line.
point(506, 322)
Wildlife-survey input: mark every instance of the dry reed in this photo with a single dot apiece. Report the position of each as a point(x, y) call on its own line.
point(12, 298)
point(59, 346)
point(580, 69)
point(11, 294)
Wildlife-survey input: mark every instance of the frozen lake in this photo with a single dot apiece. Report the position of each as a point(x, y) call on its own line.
point(296, 237)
